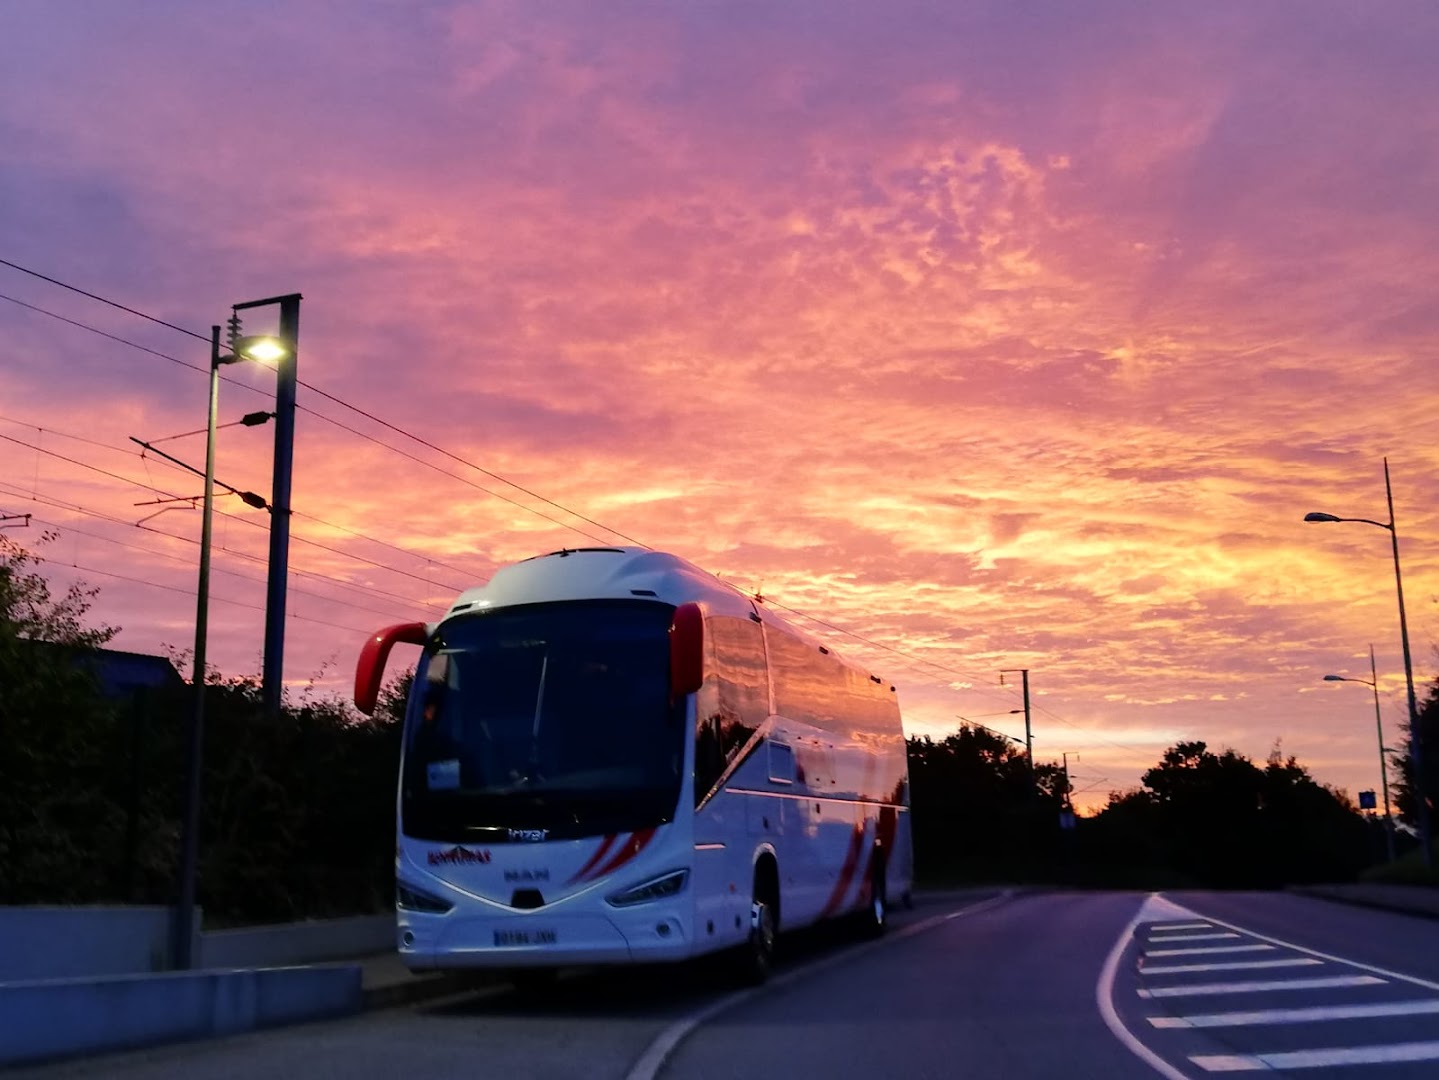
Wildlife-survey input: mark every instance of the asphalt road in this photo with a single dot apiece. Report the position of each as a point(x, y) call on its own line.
point(1043, 985)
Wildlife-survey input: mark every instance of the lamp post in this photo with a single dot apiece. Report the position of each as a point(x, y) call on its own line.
point(254, 348)
point(1416, 760)
point(1373, 684)
point(282, 351)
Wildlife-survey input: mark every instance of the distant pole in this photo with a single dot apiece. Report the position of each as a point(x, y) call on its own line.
point(190, 831)
point(272, 680)
point(1028, 733)
point(1383, 764)
point(1416, 740)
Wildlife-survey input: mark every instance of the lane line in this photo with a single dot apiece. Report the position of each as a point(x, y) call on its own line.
point(1104, 990)
point(1191, 937)
point(1413, 980)
point(1165, 927)
point(1232, 965)
point(1389, 1054)
point(1310, 1015)
point(1261, 986)
point(649, 1064)
point(1199, 950)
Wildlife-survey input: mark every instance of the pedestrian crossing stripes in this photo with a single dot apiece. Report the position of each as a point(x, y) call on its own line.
point(1231, 965)
point(1354, 1000)
point(1317, 1059)
point(1313, 1014)
point(1327, 982)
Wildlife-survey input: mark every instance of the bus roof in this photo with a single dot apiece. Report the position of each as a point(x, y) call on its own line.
point(619, 573)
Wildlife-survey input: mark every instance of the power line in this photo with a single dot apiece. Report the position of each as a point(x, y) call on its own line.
point(61, 504)
point(346, 427)
point(221, 599)
point(232, 517)
point(233, 573)
point(449, 454)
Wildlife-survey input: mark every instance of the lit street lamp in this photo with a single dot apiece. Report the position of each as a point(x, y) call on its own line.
point(280, 351)
point(266, 350)
point(1415, 742)
point(1373, 684)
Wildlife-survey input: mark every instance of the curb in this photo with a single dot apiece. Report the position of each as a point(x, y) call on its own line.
point(1426, 907)
point(416, 989)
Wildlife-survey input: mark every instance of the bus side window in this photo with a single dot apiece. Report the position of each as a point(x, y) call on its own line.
point(734, 700)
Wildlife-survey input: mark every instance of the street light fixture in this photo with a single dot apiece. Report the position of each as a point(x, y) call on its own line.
point(279, 351)
point(1415, 741)
point(1373, 684)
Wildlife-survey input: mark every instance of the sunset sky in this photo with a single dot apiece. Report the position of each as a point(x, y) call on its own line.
point(1002, 336)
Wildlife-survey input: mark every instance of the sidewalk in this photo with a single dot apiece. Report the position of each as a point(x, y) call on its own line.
point(1419, 900)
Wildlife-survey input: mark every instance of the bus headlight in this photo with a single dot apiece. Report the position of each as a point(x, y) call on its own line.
point(654, 889)
point(412, 899)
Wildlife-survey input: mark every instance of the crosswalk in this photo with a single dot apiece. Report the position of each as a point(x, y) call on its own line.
point(1264, 1005)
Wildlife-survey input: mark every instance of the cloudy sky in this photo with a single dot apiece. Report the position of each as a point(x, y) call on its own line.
point(1001, 336)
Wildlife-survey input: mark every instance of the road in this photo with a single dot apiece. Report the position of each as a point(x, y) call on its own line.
point(1112, 985)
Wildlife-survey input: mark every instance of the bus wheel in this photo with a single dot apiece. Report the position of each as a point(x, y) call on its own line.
point(757, 954)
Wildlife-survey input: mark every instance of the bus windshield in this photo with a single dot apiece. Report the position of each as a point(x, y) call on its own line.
point(552, 717)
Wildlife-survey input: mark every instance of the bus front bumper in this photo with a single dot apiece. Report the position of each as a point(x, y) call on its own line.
point(648, 933)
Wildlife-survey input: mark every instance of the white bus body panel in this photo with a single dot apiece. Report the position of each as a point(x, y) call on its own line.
point(823, 838)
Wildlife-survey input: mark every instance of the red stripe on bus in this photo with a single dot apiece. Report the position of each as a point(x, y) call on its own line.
point(846, 873)
point(636, 844)
point(595, 858)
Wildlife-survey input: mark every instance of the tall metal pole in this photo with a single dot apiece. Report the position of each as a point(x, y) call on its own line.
point(194, 758)
point(1383, 764)
point(1416, 758)
point(1028, 735)
point(272, 684)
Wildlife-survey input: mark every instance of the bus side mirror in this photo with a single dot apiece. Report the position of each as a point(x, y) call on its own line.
point(371, 668)
point(687, 639)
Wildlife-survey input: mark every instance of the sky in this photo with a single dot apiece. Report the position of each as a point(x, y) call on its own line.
point(991, 336)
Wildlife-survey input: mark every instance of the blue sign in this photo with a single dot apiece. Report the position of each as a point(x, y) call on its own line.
point(1366, 800)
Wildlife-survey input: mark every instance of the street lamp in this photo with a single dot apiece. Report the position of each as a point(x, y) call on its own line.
point(1415, 741)
point(1373, 684)
point(280, 351)
point(276, 350)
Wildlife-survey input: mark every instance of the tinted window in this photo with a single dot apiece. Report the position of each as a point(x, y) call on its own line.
point(734, 700)
point(546, 716)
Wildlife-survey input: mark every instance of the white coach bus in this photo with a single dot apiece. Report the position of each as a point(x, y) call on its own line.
point(611, 756)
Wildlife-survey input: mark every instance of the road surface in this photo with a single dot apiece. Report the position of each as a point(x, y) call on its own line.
point(1111, 985)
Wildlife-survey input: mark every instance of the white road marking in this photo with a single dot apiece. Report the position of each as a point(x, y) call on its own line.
point(1156, 939)
point(1411, 979)
point(1311, 1015)
point(1155, 905)
point(649, 1063)
point(1262, 986)
point(1319, 1059)
point(1165, 927)
point(1231, 965)
point(1204, 949)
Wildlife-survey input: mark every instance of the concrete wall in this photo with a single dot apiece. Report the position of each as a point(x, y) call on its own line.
point(297, 943)
point(67, 1017)
point(69, 942)
point(74, 942)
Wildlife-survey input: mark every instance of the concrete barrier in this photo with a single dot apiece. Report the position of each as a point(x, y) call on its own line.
point(68, 1017)
point(297, 943)
point(44, 942)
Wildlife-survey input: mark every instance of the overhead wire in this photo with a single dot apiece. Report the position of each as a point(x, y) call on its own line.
point(61, 504)
point(463, 461)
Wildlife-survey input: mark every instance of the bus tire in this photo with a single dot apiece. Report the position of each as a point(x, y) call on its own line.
point(755, 959)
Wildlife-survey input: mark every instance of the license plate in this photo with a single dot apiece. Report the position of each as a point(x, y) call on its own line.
point(524, 937)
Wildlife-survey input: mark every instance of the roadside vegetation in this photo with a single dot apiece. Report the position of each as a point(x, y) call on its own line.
point(299, 811)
